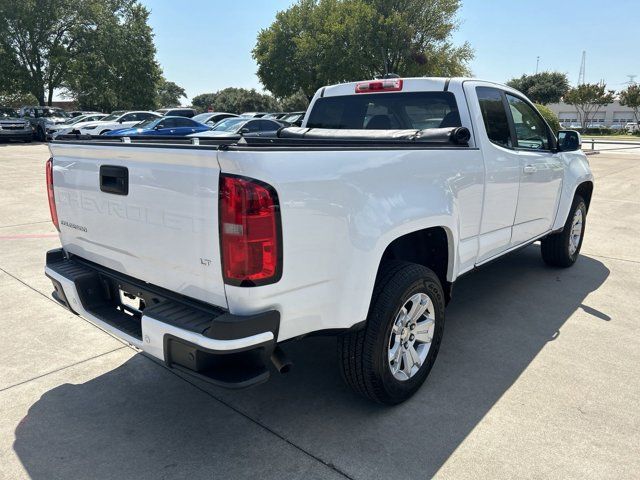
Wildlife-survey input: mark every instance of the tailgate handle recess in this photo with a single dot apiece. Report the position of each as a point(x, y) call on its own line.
point(114, 179)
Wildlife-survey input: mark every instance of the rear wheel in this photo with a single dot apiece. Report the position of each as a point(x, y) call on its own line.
point(562, 249)
point(390, 358)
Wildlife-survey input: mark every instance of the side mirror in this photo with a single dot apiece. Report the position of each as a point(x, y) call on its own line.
point(569, 141)
point(159, 126)
point(244, 130)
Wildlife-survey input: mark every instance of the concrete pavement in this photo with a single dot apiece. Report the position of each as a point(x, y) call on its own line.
point(538, 374)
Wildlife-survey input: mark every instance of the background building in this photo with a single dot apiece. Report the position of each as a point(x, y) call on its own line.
point(608, 116)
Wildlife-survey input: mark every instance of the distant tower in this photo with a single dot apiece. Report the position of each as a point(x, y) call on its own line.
point(582, 67)
point(537, 64)
point(632, 80)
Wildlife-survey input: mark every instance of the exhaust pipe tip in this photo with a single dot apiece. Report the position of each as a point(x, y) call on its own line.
point(280, 360)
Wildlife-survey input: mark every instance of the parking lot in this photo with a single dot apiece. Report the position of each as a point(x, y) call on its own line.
point(538, 374)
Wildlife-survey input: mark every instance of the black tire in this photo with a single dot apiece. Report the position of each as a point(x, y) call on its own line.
point(104, 131)
point(363, 354)
point(556, 248)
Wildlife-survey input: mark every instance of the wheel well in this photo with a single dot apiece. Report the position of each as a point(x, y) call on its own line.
point(585, 190)
point(428, 247)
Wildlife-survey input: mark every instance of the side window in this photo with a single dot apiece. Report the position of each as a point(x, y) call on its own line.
point(131, 117)
point(267, 126)
point(494, 116)
point(144, 116)
point(531, 131)
point(169, 123)
point(184, 122)
point(252, 126)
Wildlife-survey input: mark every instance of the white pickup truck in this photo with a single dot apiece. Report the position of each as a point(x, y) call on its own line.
point(209, 254)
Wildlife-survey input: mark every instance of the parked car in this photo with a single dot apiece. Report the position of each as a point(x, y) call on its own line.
point(54, 130)
point(357, 225)
point(211, 118)
point(240, 126)
point(171, 126)
point(116, 120)
point(75, 128)
point(177, 112)
point(78, 113)
point(12, 127)
point(275, 115)
point(253, 114)
point(294, 118)
point(42, 118)
point(632, 127)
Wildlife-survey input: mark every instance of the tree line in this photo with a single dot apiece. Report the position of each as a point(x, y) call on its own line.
point(98, 52)
point(102, 54)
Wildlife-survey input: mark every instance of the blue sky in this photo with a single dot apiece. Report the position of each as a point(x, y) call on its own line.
point(205, 45)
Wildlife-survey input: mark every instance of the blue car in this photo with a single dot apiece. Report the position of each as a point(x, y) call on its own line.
point(172, 126)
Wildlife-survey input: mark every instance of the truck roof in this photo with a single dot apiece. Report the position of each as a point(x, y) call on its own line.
point(410, 84)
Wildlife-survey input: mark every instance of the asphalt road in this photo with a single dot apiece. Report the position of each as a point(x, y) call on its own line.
point(538, 375)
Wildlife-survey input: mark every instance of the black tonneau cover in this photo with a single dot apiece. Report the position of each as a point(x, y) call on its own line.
point(454, 137)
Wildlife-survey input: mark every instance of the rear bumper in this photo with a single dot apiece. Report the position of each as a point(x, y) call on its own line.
point(6, 134)
point(200, 339)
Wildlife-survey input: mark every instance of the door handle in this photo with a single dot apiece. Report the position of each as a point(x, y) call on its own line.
point(114, 179)
point(530, 169)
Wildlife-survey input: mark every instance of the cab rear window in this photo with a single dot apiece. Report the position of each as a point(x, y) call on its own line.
point(386, 111)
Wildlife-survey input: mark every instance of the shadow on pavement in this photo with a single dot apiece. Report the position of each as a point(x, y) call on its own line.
point(139, 420)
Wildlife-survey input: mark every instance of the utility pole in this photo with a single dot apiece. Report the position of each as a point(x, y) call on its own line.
point(537, 63)
point(582, 68)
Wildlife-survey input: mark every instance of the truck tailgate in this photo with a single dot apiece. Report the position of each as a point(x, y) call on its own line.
point(161, 229)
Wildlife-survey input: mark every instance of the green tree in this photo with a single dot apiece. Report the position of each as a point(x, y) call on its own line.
point(319, 42)
point(116, 68)
point(588, 98)
point(550, 117)
point(16, 99)
point(630, 97)
point(169, 94)
point(236, 100)
point(39, 40)
point(203, 102)
point(543, 87)
point(293, 103)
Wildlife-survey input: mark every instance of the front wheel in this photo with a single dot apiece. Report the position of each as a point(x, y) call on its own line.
point(390, 358)
point(562, 249)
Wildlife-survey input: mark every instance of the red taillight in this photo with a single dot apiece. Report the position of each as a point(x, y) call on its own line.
point(249, 232)
point(386, 85)
point(52, 198)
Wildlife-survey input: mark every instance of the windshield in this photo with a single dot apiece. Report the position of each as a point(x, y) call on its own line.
point(114, 116)
point(291, 118)
point(386, 111)
point(152, 122)
point(203, 117)
point(50, 112)
point(78, 119)
point(8, 112)
point(230, 124)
